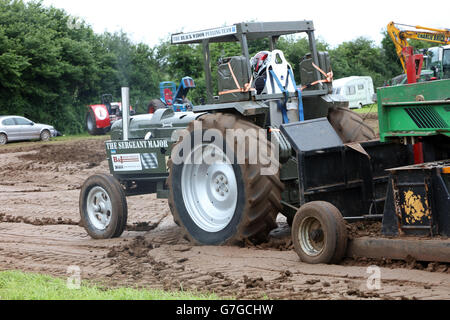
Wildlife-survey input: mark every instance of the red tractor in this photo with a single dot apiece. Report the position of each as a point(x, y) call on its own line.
point(100, 117)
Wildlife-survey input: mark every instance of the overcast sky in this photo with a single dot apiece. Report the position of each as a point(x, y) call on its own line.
point(335, 21)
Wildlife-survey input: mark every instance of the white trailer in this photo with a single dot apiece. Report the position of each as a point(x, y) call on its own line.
point(358, 91)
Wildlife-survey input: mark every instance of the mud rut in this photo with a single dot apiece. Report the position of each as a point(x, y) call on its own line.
point(39, 189)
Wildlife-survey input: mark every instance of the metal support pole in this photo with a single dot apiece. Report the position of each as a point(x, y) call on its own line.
point(125, 112)
point(315, 54)
point(207, 65)
point(244, 45)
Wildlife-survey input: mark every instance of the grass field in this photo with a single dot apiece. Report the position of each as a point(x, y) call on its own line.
point(370, 108)
point(61, 139)
point(17, 285)
point(78, 136)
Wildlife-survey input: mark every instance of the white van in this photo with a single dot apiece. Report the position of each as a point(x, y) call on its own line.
point(358, 91)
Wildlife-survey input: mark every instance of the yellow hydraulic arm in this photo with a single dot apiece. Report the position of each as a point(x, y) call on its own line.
point(400, 37)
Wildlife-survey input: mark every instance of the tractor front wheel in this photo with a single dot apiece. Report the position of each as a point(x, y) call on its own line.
point(103, 207)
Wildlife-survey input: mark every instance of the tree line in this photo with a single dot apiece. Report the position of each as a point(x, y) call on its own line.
point(53, 65)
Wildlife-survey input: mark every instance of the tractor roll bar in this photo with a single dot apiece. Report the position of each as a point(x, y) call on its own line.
point(242, 33)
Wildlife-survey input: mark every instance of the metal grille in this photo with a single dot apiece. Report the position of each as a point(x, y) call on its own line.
point(426, 118)
point(149, 161)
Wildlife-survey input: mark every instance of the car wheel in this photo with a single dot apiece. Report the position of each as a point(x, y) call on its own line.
point(3, 139)
point(45, 135)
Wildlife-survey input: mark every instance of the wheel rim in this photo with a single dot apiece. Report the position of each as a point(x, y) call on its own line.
point(99, 208)
point(311, 236)
point(2, 139)
point(209, 188)
point(45, 136)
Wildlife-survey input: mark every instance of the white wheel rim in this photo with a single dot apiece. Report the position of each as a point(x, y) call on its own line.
point(99, 208)
point(311, 236)
point(2, 139)
point(209, 188)
point(45, 136)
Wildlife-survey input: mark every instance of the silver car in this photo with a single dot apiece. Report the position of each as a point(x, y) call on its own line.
point(16, 128)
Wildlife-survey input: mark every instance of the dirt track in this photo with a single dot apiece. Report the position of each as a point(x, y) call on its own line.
point(39, 189)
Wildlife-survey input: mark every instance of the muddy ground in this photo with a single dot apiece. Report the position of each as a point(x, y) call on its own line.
point(39, 190)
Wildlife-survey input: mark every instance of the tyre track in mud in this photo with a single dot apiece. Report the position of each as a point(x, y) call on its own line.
point(39, 233)
point(146, 259)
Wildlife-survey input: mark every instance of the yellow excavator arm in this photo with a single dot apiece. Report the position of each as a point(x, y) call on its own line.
point(400, 37)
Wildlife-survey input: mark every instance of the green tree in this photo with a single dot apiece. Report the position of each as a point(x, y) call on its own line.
point(360, 57)
point(295, 49)
point(53, 65)
point(391, 58)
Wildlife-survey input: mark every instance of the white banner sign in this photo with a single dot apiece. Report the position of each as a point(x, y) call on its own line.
point(205, 34)
point(127, 162)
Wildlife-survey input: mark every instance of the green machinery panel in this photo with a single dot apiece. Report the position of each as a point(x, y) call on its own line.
point(138, 156)
point(420, 109)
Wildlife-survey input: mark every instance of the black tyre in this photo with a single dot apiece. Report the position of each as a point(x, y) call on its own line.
point(319, 234)
point(154, 105)
point(3, 139)
point(91, 125)
point(103, 207)
point(45, 135)
point(222, 202)
point(350, 126)
point(188, 104)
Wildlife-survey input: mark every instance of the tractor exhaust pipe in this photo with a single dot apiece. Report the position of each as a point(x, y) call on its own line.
point(125, 112)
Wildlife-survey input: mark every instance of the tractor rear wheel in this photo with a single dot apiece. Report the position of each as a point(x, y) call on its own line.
point(214, 198)
point(154, 105)
point(91, 125)
point(350, 126)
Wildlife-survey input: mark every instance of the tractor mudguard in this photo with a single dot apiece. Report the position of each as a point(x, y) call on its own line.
point(101, 114)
